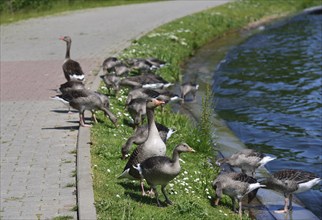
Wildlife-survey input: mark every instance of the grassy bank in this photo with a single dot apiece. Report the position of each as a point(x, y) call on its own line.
point(191, 191)
point(12, 11)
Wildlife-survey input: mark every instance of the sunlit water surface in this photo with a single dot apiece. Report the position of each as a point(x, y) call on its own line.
point(268, 90)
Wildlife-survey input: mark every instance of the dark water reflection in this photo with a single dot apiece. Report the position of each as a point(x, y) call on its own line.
point(268, 89)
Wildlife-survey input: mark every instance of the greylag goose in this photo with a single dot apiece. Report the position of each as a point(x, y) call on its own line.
point(66, 88)
point(247, 160)
point(141, 134)
point(70, 90)
point(150, 80)
point(112, 82)
point(169, 97)
point(160, 94)
point(137, 110)
point(139, 64)
point(156, 63)
point(290, 181)
point(109, 63)
point(82, 100)
point(72, 69)
point(141, 93)
point(106, 104)
point(160, 170)
point(189, 88)
point(120, 69)
point(71, 85)
point(153, 146)
point(145, 65)
point(236, 186)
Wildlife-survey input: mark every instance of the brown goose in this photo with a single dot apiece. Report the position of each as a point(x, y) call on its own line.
point(141, 134)
point(82, 100)
point(290, 181)
point(72, 69)
point(247, 160)
point(160, 170)
point(153, 146)
point(189, 88)
point(236, 186)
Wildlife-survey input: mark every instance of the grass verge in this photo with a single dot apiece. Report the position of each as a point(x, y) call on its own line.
point(191, 191)
point(12, 11)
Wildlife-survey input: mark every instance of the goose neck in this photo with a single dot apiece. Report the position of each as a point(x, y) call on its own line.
point(150, 116)
point(68, 45)
point(175, 156)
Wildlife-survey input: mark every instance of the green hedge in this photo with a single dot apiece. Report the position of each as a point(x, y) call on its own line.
point(19, 5)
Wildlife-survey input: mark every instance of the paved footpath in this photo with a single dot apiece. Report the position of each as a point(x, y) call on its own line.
point(38, 138)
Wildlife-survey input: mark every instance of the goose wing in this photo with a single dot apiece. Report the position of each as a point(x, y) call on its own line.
point(151, 93)
point(298, 176)
point(155, 162)
point(251, 153)
point(72, 67)
point(241, 177)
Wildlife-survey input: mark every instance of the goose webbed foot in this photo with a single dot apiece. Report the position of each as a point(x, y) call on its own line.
point(288, 203)
point(82, 121)
point(284, 210)
point(281, 211)
point(85, 125)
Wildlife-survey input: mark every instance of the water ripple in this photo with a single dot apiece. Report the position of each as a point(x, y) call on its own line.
point(269, 91)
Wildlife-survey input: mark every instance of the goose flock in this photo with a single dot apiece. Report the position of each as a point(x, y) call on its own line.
point(148, 161)
point(237, 185)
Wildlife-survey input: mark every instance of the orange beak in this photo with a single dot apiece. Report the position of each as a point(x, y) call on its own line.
point(158, 102)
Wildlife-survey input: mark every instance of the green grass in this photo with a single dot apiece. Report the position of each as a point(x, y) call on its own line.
point(191, 191)
point(39, 8)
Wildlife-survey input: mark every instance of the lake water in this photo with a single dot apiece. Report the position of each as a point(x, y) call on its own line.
point(268, 90)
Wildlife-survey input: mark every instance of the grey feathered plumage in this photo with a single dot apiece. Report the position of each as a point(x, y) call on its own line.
point(236, 186)
point(289, 181)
